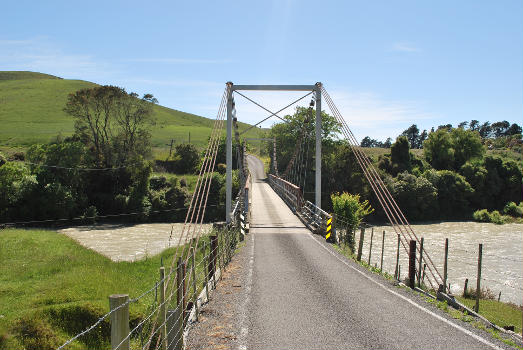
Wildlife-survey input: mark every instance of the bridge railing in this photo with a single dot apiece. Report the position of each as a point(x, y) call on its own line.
point(290, 193)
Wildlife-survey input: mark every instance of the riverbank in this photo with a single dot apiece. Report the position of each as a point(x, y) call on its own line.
point(502, 266)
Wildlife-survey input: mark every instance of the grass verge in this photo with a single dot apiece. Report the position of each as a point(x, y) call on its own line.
point(51, 288)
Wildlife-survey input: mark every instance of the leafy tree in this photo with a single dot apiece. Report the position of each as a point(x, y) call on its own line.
point(113, 124)
point(500, 129)
point(367, 142)
point(412, 135)
point(454, 193)
point(400, 156)
point(485, 130)
point(416, 196)
point(387, 143)
point(514, 129)
point(463, 125)
point(186, 158)
point(16, 187)
point(466, 145)
point(438, 150)
point(474, 125)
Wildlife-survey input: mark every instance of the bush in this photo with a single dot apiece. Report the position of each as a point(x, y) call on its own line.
point(513, 210)
point(481, 215)
point(348, 208)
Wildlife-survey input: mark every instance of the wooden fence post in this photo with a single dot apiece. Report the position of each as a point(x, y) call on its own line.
point(382, 248)
point(423, 277)
point(370, 248)
point(194, 290)
point(420, 261)
point(214, 251)
point(478, 284)
point(180, 305)
point(465, 287)
point(119, 321)
point(412, 263)
point(163, 308)
point(360, 245)
point(205, 260)
point(396, 271)
point(445, 264)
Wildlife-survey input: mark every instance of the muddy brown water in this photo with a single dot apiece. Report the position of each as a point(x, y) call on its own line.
point(129, 243)
point(502, 266)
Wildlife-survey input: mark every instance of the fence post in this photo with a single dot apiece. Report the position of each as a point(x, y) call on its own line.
point(420, 261)
point(396, 271)
point(163, 307)
point(370, 248)
point(478, 285)
point(205, 270)
point(119, 321)
point(412, 263)
point(382, 248)
point(214, 248)
point(423, 277)
point(194, 290)
point(445, 262)
point(360, 245)
point(465, 287)
point(180, 307)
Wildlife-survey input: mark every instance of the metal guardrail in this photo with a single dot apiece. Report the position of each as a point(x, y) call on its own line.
point(314, 217)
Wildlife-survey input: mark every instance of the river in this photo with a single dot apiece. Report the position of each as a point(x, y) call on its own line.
point(502, 264)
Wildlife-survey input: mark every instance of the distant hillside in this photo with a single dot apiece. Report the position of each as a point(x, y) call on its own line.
point(31, 111)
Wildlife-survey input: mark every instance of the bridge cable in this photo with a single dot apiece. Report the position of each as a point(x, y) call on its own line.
point(380, 189)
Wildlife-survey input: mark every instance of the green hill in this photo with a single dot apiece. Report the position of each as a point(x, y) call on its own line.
point(31, 112)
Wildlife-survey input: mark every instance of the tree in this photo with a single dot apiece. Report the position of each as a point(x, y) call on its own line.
point(416, 196)
point(463, 125)
point(438, 149)
point(485, 130)
point(387, 143)
point(514, 129)
point(466, 145)
point(367, 142)
point(186, 158)
point(474, 125)
point(113, 124)
point(412, 134)
point(400, 156)
point(500, 129)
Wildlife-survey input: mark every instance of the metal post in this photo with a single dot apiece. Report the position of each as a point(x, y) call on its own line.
point(318, 145)
point(119, 321)
point(179, 312)
point(478, 283)
point(228, 147)
point(420, 261)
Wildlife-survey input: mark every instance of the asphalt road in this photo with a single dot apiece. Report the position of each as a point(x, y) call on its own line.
point(303, 295)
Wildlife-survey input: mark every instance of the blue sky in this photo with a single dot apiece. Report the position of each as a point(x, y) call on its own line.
point(387, 64)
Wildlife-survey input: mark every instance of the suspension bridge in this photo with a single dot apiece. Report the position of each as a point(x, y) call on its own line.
point(300, 292)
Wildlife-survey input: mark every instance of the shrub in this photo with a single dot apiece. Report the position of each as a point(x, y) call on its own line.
point(496, 218)
point(221, 168)
point(513, 210)
point(481, 215)
point(348, 208)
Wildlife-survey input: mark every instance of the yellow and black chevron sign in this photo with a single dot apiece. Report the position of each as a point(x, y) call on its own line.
point(329, 228)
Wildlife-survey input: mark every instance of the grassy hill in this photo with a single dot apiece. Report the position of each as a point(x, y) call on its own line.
point(31, 112)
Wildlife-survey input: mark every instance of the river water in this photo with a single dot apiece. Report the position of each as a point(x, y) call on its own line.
point(129, 242)
point(502, 263)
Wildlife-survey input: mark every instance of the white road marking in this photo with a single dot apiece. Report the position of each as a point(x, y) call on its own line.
point(466, 331)
point(244, 328)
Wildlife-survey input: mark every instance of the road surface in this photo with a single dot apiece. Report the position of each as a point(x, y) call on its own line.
point(303, 295)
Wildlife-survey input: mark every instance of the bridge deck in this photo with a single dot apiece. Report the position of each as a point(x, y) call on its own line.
point(304, 295)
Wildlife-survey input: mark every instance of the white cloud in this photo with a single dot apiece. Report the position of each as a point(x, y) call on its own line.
point(404, 47)
point(368, 114)
point(41, 55)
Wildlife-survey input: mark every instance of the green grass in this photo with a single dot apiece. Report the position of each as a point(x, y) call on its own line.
point(50, 283)
point(32, 112)
point(499, 313)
